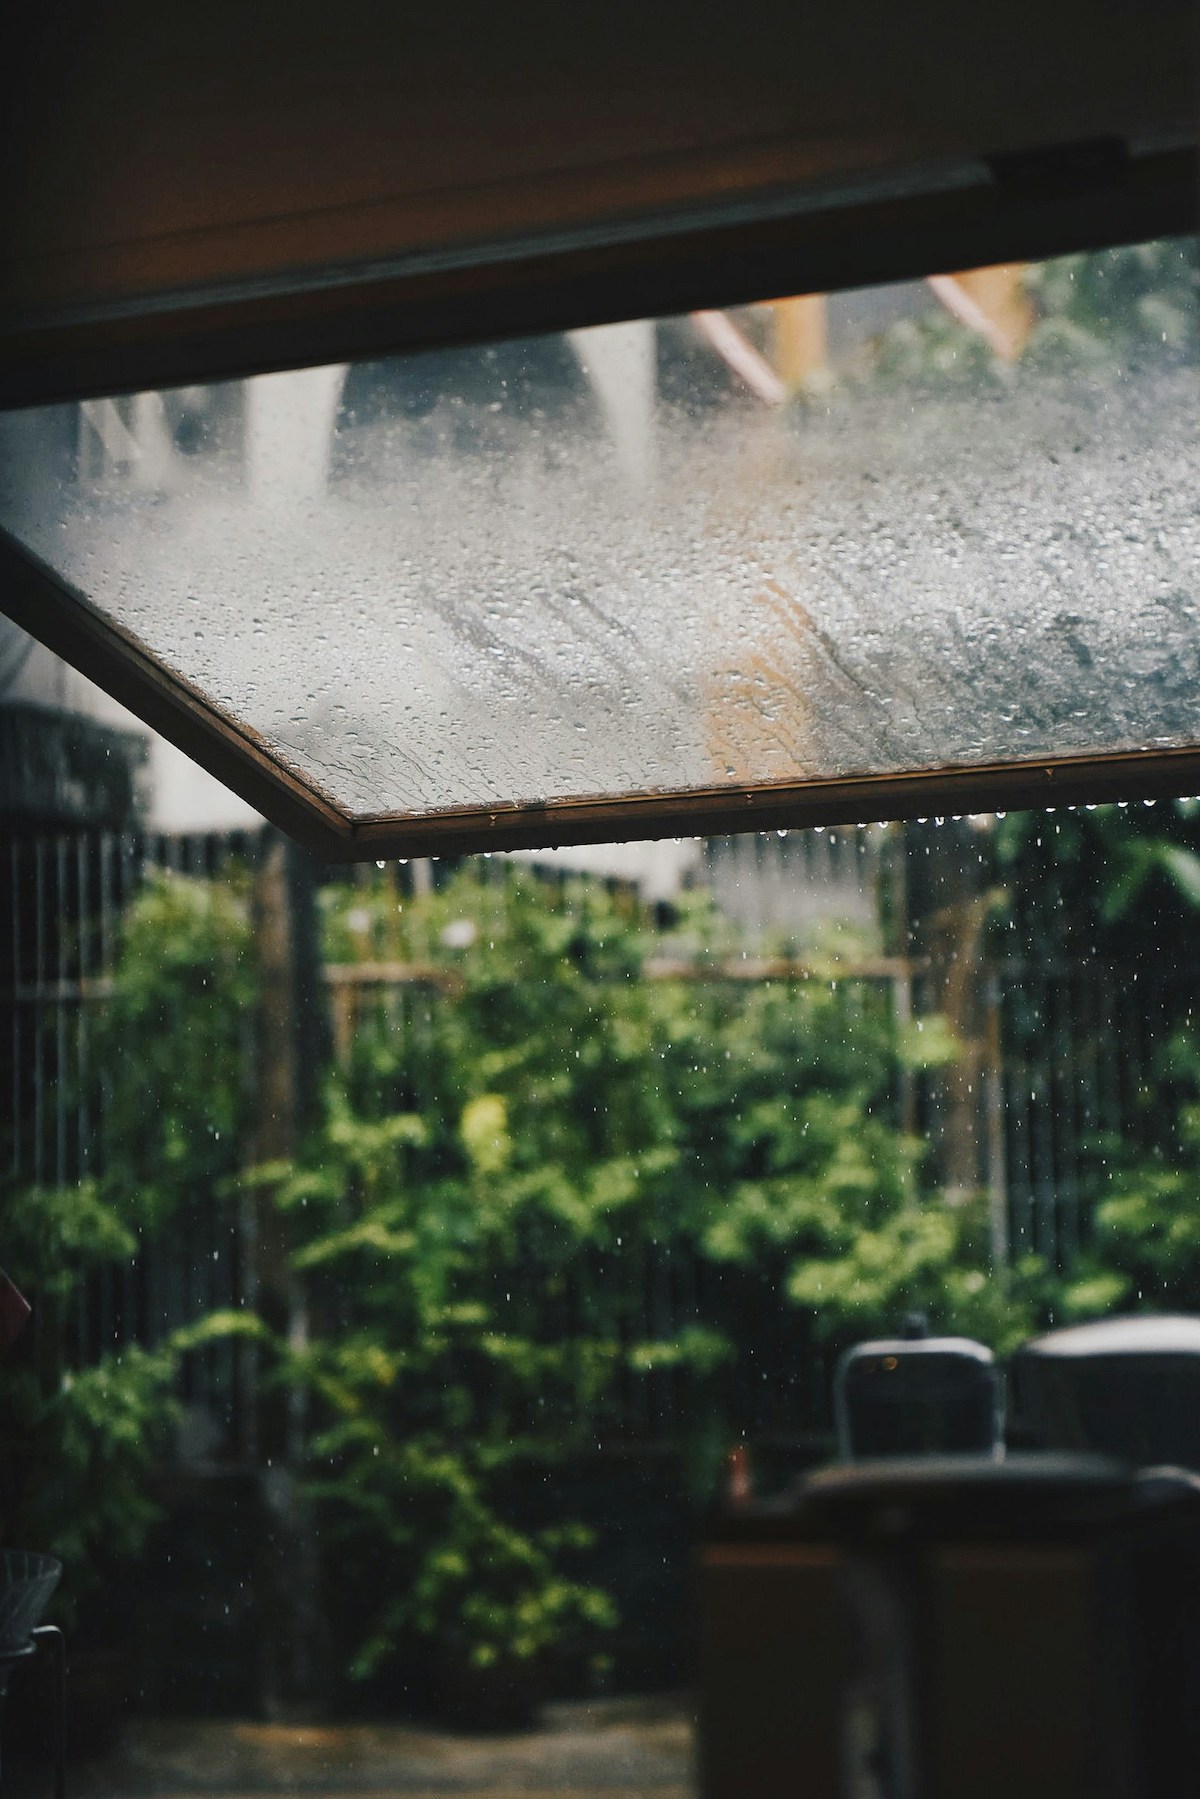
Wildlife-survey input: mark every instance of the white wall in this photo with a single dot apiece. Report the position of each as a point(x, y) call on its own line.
point(183, 797)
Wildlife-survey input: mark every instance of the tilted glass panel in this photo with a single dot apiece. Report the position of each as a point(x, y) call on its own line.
point(954, 524)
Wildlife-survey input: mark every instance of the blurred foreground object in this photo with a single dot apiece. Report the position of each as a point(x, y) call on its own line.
point(911, 1395)
point(27, 1583)
point(926, 1629)
point(1125, 1386)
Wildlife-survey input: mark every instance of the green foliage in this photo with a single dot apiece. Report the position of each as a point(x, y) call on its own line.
point(1110, 881)
point(934, 1259)
point(934, 349)
point(98, 1438)
point(183, 994)
point(1146, 1244)
point(1120, 883)
point(1095, 311)
point(501, 1176)
point(560, 1103)
point(79, 1445)
point(515, 1155)
point(1096, 307)
point(54, 1237)
point(417, 1518)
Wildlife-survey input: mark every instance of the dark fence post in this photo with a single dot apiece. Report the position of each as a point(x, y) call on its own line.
point(950, 902)
point(290, 1038)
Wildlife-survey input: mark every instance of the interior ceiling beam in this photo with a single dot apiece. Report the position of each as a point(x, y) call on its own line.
point(1074, 197)
point(215, 187)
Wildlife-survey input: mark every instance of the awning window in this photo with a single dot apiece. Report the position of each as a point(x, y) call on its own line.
point(784, 563)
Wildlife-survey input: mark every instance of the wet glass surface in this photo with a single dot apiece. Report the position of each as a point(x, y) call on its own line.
point(607, 562)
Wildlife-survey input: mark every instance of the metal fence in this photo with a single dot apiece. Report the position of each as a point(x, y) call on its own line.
point(65, 898)
point(1063, 1056)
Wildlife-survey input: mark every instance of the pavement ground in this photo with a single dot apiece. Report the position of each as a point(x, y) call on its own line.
point(609, 1749)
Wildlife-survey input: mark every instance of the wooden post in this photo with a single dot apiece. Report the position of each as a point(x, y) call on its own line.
point(997, 1153)
point(801, 347)
point(292, 1635)
point(958, 928)
point(1001, 296)
point(950, 909)
point(893, 909)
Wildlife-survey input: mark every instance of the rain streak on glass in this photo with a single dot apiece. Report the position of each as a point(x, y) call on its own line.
point(672, 555)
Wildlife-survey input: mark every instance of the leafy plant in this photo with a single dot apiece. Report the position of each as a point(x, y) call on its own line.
point(1107, 881)
point(933, 349)
point(1145, 1249)
point(1094, 310)
point(506, 1173)
point(1116, 884)
point(560, 1122)
point(77, 1445)
point(80, 1439)
point(176, 1036)
point(1105, 305)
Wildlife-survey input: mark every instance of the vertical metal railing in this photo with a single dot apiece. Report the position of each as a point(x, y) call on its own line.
point(65, 897)
point(1069, 1055)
